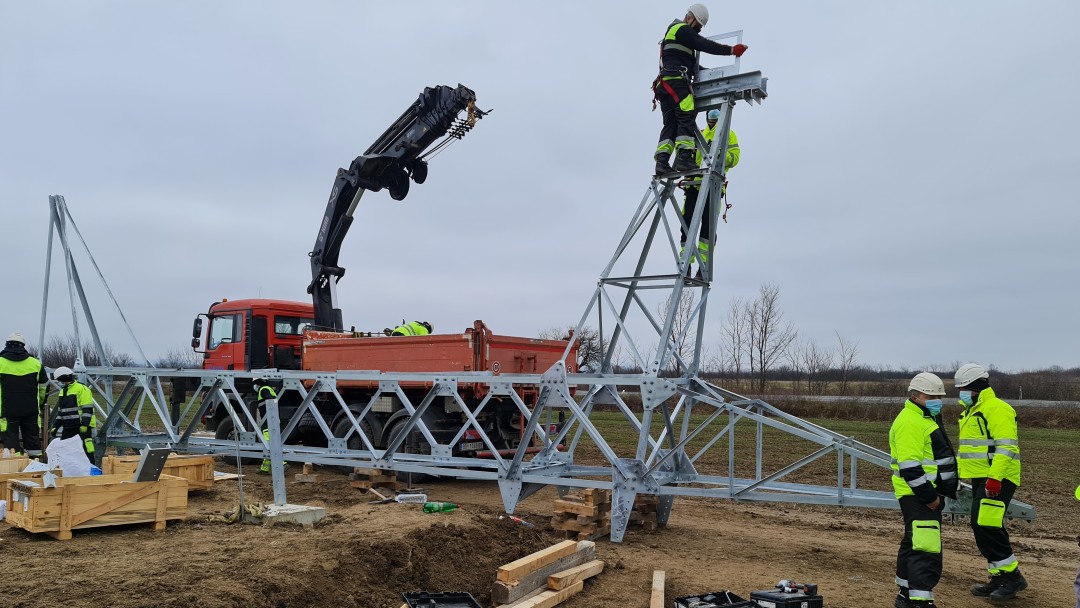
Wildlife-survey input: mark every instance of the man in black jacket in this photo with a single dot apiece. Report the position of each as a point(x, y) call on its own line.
point(679, 51)
point(22, 391)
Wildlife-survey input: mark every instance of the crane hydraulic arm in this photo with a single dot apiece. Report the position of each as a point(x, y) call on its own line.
point(395, 157)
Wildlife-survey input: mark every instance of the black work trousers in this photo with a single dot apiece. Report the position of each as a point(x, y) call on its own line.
point(27, 427)
point(920, 569)
point(679, 125)
point(993, 543)
point(689, 205)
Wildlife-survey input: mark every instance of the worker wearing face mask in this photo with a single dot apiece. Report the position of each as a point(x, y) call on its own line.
point(924, 473)
point(989, 455)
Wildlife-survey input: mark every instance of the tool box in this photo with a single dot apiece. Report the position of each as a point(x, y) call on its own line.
point(725, 599)
point(440, 600)
point(774, 598)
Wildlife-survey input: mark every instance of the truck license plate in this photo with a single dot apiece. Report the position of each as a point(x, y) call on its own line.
point(471, 446)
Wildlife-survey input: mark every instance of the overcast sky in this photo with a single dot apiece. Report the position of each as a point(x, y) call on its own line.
point(909, 183)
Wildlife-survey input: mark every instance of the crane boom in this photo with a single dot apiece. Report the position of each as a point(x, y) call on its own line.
point(395, 157)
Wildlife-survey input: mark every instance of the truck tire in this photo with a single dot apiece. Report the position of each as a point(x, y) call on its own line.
point(420, 446)
point(227, 430)
point(343, 426)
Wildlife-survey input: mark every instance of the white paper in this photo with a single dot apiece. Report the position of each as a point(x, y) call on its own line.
point(3, 508)
point(48, 480)
point(68, 456)
point(36, 465)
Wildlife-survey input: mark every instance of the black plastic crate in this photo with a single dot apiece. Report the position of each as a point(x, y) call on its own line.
point(726, 599)
point(447, 599)
point(774, 598)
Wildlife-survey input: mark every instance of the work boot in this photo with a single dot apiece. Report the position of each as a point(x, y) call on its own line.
point(684, 160)
point(662, 166)
point(902, 601)
point(990, 586)
point(1011, 584)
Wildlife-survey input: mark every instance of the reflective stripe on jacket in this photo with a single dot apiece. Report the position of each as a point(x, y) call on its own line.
point(989, 445)
point(266, 392)
point(923, 463)
point(410, 329)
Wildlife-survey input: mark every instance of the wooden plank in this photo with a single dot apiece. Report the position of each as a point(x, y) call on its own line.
point(551, 597)
point(565, 578)
point(657, 598)
point(531, 594)
point(308, 478)
point(506, 592)
point(112, 505)
point(518, 568)
point(578, 509)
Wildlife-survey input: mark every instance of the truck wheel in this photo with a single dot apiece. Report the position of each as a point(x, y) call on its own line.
point(419, 446)
point(343, 426)
point(227, 430)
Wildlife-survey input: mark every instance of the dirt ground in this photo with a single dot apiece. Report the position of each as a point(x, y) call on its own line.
point(365, 555)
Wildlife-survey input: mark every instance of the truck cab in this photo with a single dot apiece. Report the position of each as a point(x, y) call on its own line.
point(253, 334)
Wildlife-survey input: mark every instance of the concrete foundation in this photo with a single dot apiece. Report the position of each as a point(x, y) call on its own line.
point(293, 514)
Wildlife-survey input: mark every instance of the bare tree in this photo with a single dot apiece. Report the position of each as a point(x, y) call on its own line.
point(769, 335)
point(816, 361)
point(681, 324)
point(62, 351)
point(179, 357)
point(590, 347)
point(796, 360)
point(733, 332)
point(847, 356)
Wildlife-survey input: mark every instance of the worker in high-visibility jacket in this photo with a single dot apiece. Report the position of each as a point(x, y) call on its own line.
point(924, 473)
point(679, 52)
point(412, 328)
point(989, 455)
point(22, 392)
point(263, 391)
point(74, 412)
point(692, 189)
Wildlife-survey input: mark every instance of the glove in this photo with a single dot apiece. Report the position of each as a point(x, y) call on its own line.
point(3, 425)
point(993, 488)
point(738, 50)
point(83, 430)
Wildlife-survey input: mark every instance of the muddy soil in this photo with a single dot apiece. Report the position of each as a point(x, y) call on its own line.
point(365, 555)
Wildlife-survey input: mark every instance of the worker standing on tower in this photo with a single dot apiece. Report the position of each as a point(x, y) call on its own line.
point(989, 455)
point(924, 473)
point(679, 51)
point(412, 328)
point(693, 188)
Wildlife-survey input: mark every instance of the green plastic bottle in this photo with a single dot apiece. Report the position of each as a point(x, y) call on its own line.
point(439, 507)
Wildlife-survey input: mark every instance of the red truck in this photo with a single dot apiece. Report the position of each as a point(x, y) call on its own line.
point(255, 334)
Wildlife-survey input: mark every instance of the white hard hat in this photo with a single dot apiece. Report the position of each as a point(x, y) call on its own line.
point(713, 115)
point(927, 384)
point(16, 337)
point(60, 372)
point(700, 13)
point(968, 373)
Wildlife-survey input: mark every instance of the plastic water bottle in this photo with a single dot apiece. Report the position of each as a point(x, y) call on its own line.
point(439, 507)
point(6, 453)
point(95, 470)
point(411, 498)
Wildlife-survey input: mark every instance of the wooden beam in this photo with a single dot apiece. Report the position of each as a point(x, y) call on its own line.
point(518, 568)
point(550, 598)
point(562, 580)
point(657, 600)
point(507, 592)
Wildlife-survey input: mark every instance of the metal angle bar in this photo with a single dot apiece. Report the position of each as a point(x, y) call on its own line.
point(788, 469)
point(711, 90)
point(690, 437)
point(308, 397)
point(354, 421)
point(48, 270)
point(636, 222)
point(620, 325)
point(473, 422)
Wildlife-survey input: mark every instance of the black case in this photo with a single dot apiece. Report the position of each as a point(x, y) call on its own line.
point(440, 600)
point(774, 598)
point(725, 599)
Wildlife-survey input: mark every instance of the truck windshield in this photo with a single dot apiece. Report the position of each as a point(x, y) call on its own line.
point(225, 328)
point(291, 325)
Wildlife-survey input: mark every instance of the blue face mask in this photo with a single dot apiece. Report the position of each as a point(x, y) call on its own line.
point(965, 398)
point(933, 406)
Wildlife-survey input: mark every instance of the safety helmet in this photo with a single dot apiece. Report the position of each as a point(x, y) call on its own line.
point(927, 384)
point(63, 374)
point(700, 13)
point(429, 326)
point(968, 373)
point(259, 381)
point(17, 337)
point(713, 115)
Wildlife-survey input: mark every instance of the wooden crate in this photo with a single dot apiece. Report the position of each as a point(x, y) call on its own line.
point(365, 479)
point(90, 502)
point(197, 470)
point(13, 464)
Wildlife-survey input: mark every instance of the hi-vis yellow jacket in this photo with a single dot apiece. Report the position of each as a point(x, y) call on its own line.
point(989, 445)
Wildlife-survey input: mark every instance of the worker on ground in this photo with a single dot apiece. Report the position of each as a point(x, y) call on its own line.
point(263, 391)
point(693, 187)
point(924, 473)
point(412, 328)
point(672, 88)
point(22, 392)
point(75, 415)
point(989, 455)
